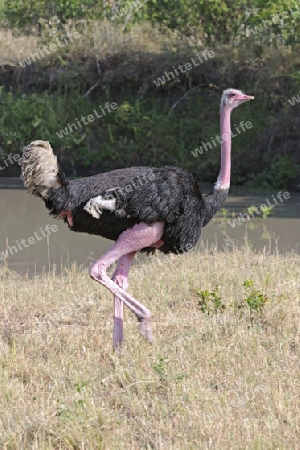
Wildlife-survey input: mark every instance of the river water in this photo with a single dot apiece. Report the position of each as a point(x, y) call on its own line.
point(35, 242)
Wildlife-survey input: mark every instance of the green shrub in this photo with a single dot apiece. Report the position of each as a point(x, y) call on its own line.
point(210, 302)
point(221, 20)
point(254, 299)
point(45, 15)
point(26, 14)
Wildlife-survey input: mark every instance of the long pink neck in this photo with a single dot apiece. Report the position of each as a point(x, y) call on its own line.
point(223, 181)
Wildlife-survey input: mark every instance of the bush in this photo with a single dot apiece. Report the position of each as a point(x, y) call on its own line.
point(220, 20)
point(26, 15)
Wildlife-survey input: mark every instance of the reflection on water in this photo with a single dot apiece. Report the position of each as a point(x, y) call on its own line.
point(40, 242)
point(279, 231)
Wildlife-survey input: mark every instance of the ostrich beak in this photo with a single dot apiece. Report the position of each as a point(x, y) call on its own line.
point(245, 97)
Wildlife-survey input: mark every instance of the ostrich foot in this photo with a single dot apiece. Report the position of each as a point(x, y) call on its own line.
point(118, 334)
point(145, 328)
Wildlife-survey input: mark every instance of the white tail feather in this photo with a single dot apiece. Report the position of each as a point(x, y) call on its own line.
point(40, 170)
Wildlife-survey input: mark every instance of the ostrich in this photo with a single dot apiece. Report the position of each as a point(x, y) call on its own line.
point(140, 208)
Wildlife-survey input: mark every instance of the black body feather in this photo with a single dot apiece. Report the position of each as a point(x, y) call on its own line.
point(143, 194)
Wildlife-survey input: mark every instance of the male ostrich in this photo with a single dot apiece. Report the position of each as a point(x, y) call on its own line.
point(140, 208)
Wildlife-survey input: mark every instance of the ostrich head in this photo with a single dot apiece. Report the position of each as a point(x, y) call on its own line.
point(232, 98)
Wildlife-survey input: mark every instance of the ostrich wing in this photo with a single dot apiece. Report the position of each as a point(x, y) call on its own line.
point(151, 197)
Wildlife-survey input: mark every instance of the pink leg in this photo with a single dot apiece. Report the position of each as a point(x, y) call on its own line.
point(120, 277)
point(132, 240)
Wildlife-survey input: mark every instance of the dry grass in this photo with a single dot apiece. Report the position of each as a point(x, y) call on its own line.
point(14, 49)
point(97, 39)
point(110, 39)
point(229, 380)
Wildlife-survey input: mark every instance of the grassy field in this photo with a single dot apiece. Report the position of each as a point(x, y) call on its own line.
point(223, 372)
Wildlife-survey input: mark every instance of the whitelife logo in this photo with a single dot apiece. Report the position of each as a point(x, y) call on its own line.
point(71, 127)
point(42, 51)
point(281, 196)
point(24, 243)
point(205, 146)
point(183, 68)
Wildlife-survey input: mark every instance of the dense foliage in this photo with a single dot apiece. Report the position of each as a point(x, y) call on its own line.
point(216, 20)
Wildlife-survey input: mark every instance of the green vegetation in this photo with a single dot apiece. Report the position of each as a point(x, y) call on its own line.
point(117, 55)
point(255, 299)
point(265, 210)
point(223, 21)
point(210, 302)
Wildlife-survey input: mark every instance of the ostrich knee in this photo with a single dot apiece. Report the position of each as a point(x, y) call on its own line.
point(121, 280)
point(97, 271)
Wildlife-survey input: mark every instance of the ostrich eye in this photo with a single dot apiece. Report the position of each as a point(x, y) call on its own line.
point(231, 95)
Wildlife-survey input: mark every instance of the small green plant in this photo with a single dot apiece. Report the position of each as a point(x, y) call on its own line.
point(224, 212)
point(180, 376)
point(80, 386)
point(266, 211)
point(210, 302)
point(160, 367)
point(251, 210)
point(254, 299)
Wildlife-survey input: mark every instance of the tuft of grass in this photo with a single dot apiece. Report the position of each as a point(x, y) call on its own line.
point(208, 380)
